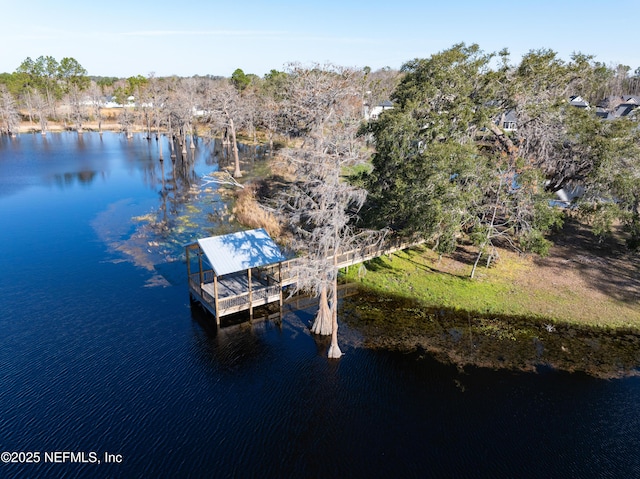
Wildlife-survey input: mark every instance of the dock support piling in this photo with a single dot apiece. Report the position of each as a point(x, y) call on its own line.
point(250, 296)
point(215, 298)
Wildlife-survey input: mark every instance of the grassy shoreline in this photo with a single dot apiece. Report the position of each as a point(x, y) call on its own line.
point(577, 310)
point(554, 290)
point(584, 281)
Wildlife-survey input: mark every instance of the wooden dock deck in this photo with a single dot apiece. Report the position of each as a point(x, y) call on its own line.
point(241, 291)
point(234, 294)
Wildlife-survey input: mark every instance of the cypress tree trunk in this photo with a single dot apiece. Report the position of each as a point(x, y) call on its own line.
point(236, 173)
point(322, 323)
point(334, 349)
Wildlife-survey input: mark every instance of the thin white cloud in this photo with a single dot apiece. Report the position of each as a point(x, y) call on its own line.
point(237, 33)
point(320, 40)
point(273, 34)
point(33, 37)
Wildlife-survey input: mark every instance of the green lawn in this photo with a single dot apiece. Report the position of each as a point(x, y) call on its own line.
point(514, 287)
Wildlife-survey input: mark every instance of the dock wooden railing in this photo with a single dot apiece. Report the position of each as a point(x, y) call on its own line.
point(360, 255)
point(285, 272)
point(259, 296)
point(280, 275)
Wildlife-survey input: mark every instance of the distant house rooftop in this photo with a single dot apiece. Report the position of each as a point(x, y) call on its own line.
point(618, 106)
point(578, 102)
point(375, 112)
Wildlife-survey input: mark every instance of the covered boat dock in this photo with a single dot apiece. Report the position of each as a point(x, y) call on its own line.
point(235, 272)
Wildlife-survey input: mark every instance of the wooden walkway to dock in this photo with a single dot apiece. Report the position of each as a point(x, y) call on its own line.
point(348, 258)
point(245, 290)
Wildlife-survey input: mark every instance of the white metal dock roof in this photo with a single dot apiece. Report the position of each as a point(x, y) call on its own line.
point(240, 251)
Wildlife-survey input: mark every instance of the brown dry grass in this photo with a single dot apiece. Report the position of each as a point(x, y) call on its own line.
point(601, 279)
point(250, 213)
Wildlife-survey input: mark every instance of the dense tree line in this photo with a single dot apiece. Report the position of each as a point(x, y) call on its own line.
point(442, 146)
point(38, 86)
point(445, 167)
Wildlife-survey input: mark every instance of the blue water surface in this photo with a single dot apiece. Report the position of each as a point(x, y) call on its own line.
point(101, 353)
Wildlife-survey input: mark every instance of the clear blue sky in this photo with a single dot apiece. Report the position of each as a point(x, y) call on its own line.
point(186, 37)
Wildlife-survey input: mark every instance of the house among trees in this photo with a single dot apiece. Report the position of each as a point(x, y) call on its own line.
point(377, 110)
point(579, 102)
point(610, 108)
point(508, 121)
point(618, 106)
point(613, 107)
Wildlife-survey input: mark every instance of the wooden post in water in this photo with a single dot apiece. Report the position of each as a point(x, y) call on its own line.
point(250, 296)
point(280, 286)
point(201, 272)
point(188, 266)
point(215, 298)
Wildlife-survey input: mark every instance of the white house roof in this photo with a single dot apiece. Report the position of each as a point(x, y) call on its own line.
point(240, 251)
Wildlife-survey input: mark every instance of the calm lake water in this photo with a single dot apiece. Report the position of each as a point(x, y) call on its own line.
point(101, 352)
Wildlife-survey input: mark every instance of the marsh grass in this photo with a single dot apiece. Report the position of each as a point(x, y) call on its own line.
point(250, 213)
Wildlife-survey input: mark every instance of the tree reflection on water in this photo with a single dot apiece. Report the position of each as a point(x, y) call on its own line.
point(188, 207)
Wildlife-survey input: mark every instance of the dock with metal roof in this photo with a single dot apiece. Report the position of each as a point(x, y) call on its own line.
point(235, 272)
point(240, 271)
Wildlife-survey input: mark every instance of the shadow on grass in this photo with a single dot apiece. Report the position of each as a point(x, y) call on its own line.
point(378, 264)
point(431, 269)
point(607, 266)
point(408, 255)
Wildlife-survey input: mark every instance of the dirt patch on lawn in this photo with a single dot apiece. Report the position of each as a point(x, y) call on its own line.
point(581, 261)
point(594, 281)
